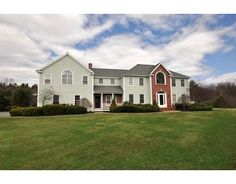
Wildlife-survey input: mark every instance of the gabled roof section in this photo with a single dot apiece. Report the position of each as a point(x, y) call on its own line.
point(67, 54)
point(102, 72)
point(108, 89)
point(140, 69)
point(179, 75)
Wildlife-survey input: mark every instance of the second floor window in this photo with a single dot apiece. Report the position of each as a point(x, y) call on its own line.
point(173, 82)
point(47, 78)
point(67, 77)
point(100, 81)
point(182, 83)
point(85, 80)
point(112, 81)
point(160, 78)
point(141, 81)
point(131, 81)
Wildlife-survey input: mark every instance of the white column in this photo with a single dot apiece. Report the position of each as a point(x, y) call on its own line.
point(102, 101)
point(112, 96)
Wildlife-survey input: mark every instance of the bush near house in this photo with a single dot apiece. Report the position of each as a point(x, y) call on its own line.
point(48, 110)
point(129, 107)
point(193, 107)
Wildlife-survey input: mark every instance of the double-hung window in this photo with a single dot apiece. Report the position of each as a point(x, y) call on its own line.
point(141, 98)
point(77, 99)
point(131, 81)
point(141, 81)
point(131, 98)
point(85, 80)
point(47, 79)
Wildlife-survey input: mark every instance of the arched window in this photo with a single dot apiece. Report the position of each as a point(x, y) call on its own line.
point(67, 77)
point(160, 78)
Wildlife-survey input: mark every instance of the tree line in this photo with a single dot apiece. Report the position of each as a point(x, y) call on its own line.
point(219, 95)
point(12, 94)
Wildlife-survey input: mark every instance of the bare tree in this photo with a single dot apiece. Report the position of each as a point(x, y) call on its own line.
point(45, 94)
point(85, 103)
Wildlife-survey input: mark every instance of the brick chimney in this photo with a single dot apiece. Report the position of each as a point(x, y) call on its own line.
point(90, 66)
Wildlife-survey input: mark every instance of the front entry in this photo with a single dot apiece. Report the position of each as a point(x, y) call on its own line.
point(161, 100)
point(97, 99)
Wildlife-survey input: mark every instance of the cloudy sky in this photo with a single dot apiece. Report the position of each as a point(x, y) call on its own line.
point(201, 46)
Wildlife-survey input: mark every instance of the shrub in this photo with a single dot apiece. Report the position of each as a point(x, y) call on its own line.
point(136, 108)
point(56, 109)
point(113, 106)
point(47, 110)
point(200, 107)
point(16, 111)
point(193, 107)
point(31, 111)
point(72, 109)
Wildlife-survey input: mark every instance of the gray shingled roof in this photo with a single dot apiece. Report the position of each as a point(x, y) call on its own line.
point(178, 75)
point(137, 70)
point(102, 72)
point(108, 89)
point(140, 70)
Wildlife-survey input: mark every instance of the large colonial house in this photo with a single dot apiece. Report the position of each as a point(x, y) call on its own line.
point(142, 84)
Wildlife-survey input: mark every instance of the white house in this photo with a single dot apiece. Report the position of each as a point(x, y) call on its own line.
point(71, 81)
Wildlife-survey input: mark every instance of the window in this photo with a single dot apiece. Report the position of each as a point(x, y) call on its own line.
point(182, 82)
point(131, 81)
point(77, 99)
point(85, 80)
point(131, 98)
point(55, 99)
point(141, 81)
point(47, 78)
point(173, 82)
point(141, 98)
point(183, 98)
point(174, 98)
point(100, 81)
point(112, 81)
point(67, 77)
point(160, 78)
point(108, 99)
point(118, 98)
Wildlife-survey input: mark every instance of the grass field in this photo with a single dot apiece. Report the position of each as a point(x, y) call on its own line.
point(180, 140)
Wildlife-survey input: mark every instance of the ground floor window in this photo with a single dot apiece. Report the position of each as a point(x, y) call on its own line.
point(55, 99)
point(77, 99)
point(108, 99)
point(131, 98)
point(141, 98)
point(118, 98)
point(174, 98)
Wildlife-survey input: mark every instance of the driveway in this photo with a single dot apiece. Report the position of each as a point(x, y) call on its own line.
point(4, 114)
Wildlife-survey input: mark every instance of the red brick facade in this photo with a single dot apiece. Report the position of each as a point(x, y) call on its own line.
point(162, 87)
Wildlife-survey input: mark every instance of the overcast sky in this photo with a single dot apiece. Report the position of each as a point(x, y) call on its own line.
point(201, 46)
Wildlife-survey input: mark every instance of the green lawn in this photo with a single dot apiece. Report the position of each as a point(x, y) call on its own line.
point(180, 140)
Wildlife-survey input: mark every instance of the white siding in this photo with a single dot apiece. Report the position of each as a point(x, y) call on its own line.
point(179, 90)
point(106, 81)
point(67, 92)
point(136, 90)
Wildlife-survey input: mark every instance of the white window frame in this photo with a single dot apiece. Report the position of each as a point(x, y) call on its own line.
point(99, 80)
point(107, 99)
point(79, 98)
point(82, 81)
point(140, 99)
point(133, 98)
point(129, 81)
point(139, 81)
point(45, 78)
point(173, 102)
point(72, 80)
point(164, 78)
point(181, 82)
point(112, 80)
point(172, 82)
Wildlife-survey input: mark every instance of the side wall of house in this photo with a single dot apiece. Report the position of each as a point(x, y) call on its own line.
point(136, 89)
point(67, 92)
point(179, 90)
